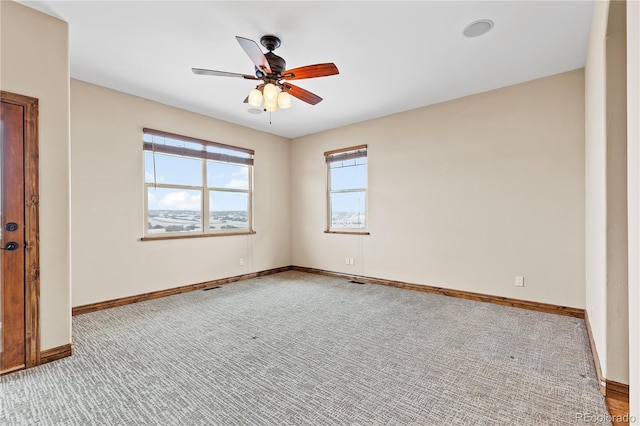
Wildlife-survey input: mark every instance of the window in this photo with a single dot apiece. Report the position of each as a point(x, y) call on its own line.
point(347, 189)
point(195, 187)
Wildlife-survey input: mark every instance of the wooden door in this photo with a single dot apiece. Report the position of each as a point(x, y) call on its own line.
point(12, 242)
point(19, 271)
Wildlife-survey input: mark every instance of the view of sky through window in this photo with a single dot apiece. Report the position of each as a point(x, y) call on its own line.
point(347, 193)
point(170, 169)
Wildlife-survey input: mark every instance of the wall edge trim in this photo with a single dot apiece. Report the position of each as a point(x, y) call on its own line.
point(54, 354)
point(122, 301)
point(461, 294)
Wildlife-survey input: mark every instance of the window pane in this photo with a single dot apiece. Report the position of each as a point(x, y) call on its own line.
point(348, 177)
point(348, 210)
point(226, 175)
point(229, 210)
point(172, 169)
point(174, 210)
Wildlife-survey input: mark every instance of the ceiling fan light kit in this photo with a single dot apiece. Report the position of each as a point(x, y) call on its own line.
point(255, 97)
point(270, 92)
point(276, 91)
point(284, 100)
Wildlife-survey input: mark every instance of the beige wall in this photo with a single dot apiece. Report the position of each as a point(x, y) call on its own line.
point(109, 260)
point(35, 63)
point(633, 137)
point(606, 189)
point(595, 181)
point(617, 231)
point(465, 194)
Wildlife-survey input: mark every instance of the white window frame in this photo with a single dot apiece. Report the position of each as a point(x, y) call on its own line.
point(342, 155)
point(205, 157)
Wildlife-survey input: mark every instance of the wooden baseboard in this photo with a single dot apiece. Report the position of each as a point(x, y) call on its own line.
point(617, 399)
point(54, 354)
point(617, 390)
point(12, 369)
point(498, 300)
point(505, 301)
point(93, 307)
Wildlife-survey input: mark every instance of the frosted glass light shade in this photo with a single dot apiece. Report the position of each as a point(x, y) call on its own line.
point(255, 98)
point(270, 105)
point(284, 100)
point(270, 92)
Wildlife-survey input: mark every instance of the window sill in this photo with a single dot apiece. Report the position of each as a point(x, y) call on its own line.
point(348, 232)
point(181, 237)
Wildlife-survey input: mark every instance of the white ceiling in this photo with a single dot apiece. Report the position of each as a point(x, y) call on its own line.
point(393, 56)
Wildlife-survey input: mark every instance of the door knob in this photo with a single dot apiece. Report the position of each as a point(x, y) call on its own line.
point(10, 246)
point(11, 226)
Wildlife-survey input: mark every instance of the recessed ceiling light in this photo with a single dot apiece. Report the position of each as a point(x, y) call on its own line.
point(254, 111)
point(478, 28)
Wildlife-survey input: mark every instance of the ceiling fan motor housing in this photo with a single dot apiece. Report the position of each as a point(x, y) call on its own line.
point(271, 42)
point(277, 64)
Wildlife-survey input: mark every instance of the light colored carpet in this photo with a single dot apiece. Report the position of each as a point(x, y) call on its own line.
point(302, 349)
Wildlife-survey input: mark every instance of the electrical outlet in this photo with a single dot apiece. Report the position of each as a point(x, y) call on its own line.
point(519, 281)
point(346, 261)
point(351, 261)
point(241, 261)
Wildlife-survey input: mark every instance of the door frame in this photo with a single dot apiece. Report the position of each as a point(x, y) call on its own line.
point(31, 224)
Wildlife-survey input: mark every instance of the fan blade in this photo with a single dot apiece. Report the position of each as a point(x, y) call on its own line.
point(254, 52)
point(311, 71)
point(300, 93)
point(222, 73)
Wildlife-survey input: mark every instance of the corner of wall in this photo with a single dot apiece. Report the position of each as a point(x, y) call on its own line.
point(633, 169)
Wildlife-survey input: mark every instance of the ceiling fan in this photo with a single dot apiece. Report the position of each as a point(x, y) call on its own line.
point(275, 88)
